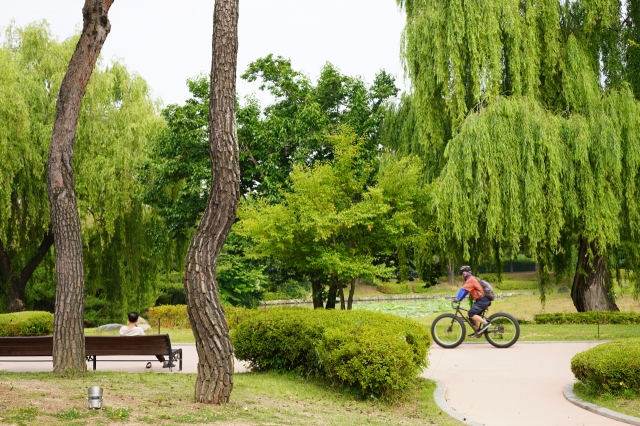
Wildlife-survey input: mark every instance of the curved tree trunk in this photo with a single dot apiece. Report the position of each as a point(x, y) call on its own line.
point(68, 329)
point(589, 290)
point(211, 331)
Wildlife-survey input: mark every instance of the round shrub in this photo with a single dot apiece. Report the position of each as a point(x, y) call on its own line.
point(30, 323)
point(372, 353)
point(610, 367)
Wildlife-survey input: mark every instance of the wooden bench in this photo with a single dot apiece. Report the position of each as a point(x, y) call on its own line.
point(155, 344)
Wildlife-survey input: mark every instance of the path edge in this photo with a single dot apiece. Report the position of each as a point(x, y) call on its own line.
point(574, 399)
point(439, 397)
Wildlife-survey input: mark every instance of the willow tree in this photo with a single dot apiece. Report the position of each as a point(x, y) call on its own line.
point(116, 121)
point(524, 115)
point(210, 329)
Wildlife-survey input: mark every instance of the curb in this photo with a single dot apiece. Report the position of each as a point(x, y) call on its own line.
point(441, 401)
point(571, 397)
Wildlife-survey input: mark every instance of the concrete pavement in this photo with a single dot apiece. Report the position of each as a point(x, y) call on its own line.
point(521, 385)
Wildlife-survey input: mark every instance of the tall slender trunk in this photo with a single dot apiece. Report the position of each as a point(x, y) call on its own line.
point(352, 290)
point(331, 297)
point(340, 293)
point(68, 329)
point(18, 283)
point(316, 290)
point(452, 272)
point(210, 329)
point(589, 290)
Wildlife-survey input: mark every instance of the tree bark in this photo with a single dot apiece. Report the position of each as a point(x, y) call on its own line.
point(452, 273)
point(352, 290)
point(316, 289)
point(18, 283)
point(331, 297)
point(211, 331)
point(590, 283)
point(68, 328)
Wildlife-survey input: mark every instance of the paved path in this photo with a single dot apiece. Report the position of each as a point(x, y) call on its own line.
point(519, 386)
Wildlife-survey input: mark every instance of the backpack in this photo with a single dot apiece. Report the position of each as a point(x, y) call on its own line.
point(488, 290)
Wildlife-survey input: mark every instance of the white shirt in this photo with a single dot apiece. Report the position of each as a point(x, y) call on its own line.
point(133, 331)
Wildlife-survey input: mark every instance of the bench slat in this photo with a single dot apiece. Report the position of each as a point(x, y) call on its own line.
point(94, 345)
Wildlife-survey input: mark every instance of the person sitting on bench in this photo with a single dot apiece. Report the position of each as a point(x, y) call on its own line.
point(132, 329)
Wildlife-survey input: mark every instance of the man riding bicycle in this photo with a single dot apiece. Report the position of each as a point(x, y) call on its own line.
point(481, 302)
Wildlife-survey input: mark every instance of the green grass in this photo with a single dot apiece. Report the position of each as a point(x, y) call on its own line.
point(167, 399)
point(627, 403)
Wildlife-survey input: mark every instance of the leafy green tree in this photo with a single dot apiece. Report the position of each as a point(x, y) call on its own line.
point(333, 224)
point(525, 116)
point(116, 121)
point(271, 142)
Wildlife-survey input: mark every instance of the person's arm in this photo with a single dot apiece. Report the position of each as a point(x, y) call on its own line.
point(462, 293)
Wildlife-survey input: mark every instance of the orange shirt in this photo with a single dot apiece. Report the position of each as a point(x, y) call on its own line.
point(472, 285)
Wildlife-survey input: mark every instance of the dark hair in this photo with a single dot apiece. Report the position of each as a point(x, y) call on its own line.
point(133, 316)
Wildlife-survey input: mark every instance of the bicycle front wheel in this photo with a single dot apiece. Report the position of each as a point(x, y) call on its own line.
point(448, 331)
point(503, 331)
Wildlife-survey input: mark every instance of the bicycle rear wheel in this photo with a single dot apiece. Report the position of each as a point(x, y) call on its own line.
point(504, 330)
point(448, 331)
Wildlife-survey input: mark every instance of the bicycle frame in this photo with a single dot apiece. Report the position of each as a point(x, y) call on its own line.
point(466, 318)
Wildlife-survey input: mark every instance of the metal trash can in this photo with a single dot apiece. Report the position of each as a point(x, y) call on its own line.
point(94, 401)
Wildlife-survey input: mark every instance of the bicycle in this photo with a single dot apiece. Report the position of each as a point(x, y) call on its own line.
point(449, 331)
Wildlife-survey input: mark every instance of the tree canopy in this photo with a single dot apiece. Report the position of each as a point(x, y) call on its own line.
point(117, 119)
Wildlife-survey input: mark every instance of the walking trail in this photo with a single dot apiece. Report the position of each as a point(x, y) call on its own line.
point(520, 386)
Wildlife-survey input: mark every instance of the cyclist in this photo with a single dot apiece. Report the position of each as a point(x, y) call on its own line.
point(472, 286)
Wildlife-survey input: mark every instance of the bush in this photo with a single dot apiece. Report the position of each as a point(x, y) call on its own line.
point(612, 367)
point(591, 317)
point(372, 353)
point(418, 287)
point(236, 314)
point(170, 316)
point(30, 323)
point(516, 285)
point(390, 288)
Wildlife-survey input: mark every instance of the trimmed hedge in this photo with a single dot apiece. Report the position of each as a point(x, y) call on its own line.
point(237, 314)
point(372, 353)
point(591, 317)
point(390, 288)
point(516, 285)
point(170, 316)
point(30, 323)
point(611, 367)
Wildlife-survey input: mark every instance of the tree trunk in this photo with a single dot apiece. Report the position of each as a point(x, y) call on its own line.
point(340, 288)
point(452, 273)
point(18, 283)
point(589, 290)
point(316, 289)
point(68, 328)
point(351, 292)
point(210, 329)
point(331, 297)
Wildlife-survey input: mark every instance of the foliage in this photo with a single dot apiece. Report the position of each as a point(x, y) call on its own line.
point(117, 118)
point(332, 222)
point(237, 314)
point(170, 316)
point(516, 285)
point(591, 317)
point(610, 367)
point(392, 288)
point(28, 323)
point(374, 353)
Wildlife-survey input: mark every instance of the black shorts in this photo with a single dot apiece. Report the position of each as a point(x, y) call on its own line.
point(479, 306)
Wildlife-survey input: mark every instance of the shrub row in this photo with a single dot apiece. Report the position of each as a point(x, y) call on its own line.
point(611, 367)
point(371, 353)
point(391, 288)
point(170, 316)
point(516, 285)
point(591, 317)
point(31, 323)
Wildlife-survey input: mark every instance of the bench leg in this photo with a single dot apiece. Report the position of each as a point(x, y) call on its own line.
point(94, 363)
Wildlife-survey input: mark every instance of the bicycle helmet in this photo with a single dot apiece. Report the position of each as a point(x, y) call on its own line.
point(465, 269)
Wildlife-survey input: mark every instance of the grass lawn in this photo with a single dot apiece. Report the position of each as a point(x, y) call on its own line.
point(167, 399)
point(628, 403)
